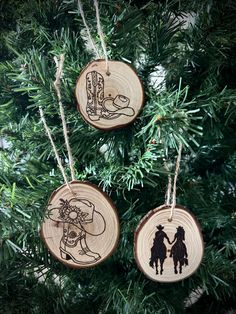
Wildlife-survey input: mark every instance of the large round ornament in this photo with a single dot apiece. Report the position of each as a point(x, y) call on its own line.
point(168, 251)
point(109, 100)
point(80, 229)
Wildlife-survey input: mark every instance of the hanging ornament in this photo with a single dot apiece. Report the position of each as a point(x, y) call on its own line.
point(81, 226)
point(80, 229)
point(168, 251)
point(168, 243)
point(109, 93)
point(109, 101)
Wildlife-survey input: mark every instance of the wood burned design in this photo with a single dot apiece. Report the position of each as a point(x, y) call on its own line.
point(78, 216)
point(178, 251)
point(168, 251)
point(158, 250)
point(100, 107)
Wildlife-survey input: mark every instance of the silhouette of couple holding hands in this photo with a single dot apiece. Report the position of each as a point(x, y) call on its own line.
point(178, 251)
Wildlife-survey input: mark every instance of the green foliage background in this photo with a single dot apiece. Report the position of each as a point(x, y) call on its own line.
point(197, 108)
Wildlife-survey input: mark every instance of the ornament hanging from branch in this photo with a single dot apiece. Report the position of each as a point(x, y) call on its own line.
point(81, 226)
point(168, 251)
point(80, 229)
point(109, 93)
point(168, 243)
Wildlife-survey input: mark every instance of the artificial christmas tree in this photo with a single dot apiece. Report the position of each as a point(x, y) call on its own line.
point(188, 73)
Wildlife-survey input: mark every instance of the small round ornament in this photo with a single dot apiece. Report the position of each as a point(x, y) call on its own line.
point(168, 251)
point(80, 229)
point(109, 100)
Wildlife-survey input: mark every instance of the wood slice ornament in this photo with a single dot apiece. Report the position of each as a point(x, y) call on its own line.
point(168, 251)
point(81, 230)
point(109, 100)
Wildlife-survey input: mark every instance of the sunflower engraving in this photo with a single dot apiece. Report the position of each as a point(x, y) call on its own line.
point(71, 214)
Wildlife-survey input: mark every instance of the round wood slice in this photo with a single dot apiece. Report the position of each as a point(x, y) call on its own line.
point(109, 100)
point(80, 229)
point(168, 251)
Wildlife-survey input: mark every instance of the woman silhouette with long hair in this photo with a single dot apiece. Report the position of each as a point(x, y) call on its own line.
point(179, 250)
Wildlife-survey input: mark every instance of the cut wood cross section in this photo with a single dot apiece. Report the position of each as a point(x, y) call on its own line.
point(109, 100)
point(80, 229)
point(168, 251)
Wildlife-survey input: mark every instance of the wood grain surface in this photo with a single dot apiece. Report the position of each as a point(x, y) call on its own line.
point(81, 229)
point(109, 101)
point(168, 251)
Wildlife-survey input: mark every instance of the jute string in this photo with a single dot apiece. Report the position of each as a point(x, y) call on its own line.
point(100, 33)
point(57, 84)
point(169, 197)
point(54, 148)
point(168, 192)
point(88, 30)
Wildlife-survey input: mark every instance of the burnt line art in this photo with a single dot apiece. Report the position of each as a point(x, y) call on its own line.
point(77, 215)
point(99, 106)
point(178, 251)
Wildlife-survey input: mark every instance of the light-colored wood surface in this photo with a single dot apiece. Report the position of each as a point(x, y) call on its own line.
point(109, 101)
point(82, 229)
point(151, 244)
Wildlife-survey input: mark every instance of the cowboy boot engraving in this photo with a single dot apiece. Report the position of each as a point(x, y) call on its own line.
point(71, 248)
point(99, 106)
point(95, 94)
point(80, 220)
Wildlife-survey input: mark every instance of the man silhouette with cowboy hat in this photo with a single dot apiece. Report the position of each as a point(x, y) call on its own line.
point(158, 250)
